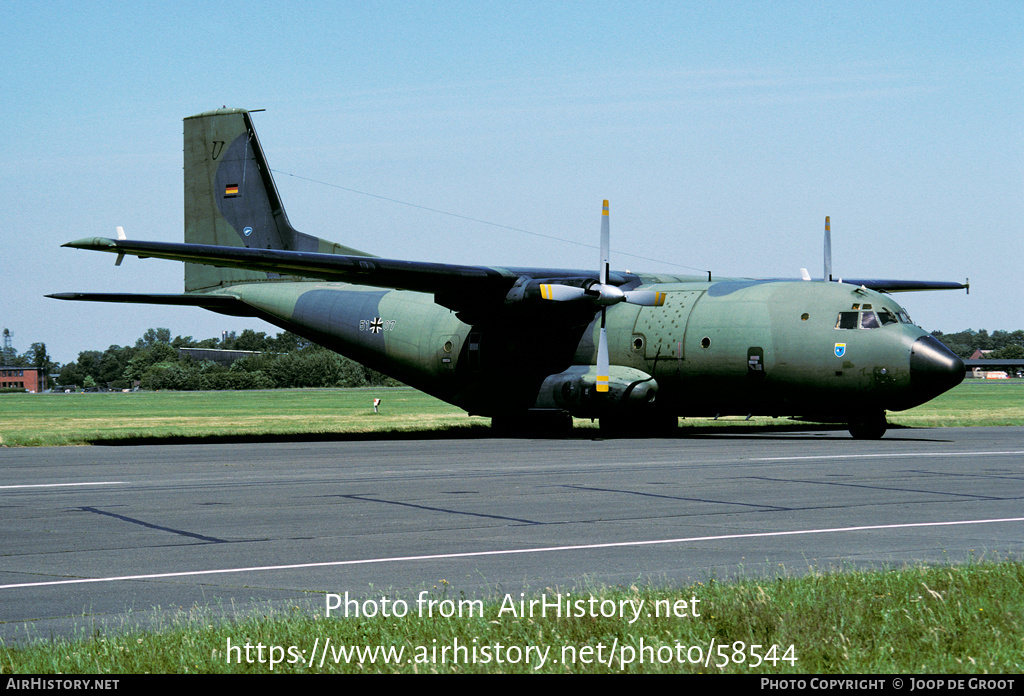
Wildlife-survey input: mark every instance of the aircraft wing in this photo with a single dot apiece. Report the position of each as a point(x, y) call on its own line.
point(884, 285)
point(881, 284)
point(466, 289)
point(362, 270)
point(448, 281)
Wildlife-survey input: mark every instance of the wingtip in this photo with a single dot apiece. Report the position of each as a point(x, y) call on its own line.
point(98, 243)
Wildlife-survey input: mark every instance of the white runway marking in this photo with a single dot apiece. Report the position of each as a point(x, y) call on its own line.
point(889, 455)
point(546, 549)
point(57, 485)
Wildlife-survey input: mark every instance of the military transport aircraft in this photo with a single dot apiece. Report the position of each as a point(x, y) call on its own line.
point(539, 345)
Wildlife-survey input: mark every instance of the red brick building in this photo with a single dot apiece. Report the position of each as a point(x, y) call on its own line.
point(29, 378)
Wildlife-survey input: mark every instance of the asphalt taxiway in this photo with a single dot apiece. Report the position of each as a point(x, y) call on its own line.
point(105, 537)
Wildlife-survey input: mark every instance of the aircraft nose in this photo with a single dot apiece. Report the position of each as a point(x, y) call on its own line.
point(934, 368)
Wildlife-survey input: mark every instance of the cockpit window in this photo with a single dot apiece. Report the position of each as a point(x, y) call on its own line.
point(887, 317)
point(847, 320)
point(867, 319)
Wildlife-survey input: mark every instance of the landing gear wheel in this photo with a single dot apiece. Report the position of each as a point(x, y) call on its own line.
point(870, 427)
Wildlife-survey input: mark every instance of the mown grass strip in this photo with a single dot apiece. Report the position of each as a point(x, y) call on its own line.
point(77, 419)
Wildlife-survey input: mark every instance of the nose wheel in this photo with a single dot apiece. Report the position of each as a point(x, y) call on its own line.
point(869, 426)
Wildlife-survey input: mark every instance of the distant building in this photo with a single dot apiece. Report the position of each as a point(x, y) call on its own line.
point(28, 378)
point(985, 368)
point(217, 355)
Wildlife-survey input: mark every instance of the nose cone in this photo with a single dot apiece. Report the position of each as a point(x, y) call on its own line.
point(933, 368)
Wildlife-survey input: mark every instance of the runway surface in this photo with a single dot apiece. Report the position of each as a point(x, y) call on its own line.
point(105, 537)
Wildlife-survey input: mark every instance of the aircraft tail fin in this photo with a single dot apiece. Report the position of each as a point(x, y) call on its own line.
point(231, 199)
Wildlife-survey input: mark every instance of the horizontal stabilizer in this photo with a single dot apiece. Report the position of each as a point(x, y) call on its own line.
point(223, 304)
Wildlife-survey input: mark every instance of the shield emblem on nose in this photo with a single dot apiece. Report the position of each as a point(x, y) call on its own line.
point(840, 350)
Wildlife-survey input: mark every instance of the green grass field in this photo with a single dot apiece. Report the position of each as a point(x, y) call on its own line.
point(77, 419)
point(974, 402)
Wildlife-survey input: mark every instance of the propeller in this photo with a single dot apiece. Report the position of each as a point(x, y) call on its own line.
point(602, 346)
point(603, 295)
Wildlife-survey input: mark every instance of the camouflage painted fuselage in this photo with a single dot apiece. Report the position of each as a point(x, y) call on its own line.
point(725, 347)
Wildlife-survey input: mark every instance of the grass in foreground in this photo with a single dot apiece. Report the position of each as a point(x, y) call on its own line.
point(937, 620)
point(77, 419)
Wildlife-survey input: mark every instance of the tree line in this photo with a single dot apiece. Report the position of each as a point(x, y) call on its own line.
point(154, 362)
point(1005, 345)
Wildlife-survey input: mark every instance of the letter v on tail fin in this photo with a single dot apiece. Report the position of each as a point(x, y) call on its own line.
point(231, 199)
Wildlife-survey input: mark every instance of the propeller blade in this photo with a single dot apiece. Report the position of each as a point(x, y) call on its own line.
point(560, 293)
point(602, 345)
point(645, 298)
point(605, 234)
point(120, 235)
point(828, 250)
point(602, 358)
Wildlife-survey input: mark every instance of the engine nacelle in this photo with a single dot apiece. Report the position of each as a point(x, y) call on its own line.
point(574, 390)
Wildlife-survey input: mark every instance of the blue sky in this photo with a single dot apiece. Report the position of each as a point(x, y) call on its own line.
point(722, 133)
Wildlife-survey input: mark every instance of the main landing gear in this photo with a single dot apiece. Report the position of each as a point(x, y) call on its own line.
point(869, 426)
